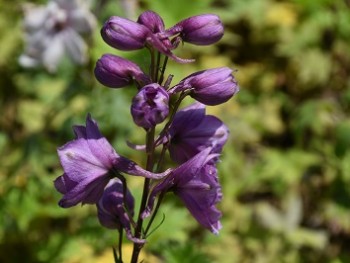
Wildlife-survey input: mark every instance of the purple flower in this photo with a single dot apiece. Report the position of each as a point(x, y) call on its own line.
point(196, 183)
point(192, 131)
point(116, 72)
point(124, 34)
point(89, 162)
point(210, 87)
point(203, 29)
point(114, 208)
point(150, 106)
point(55, 29)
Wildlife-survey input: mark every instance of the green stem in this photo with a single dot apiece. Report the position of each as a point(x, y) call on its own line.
point(120, 245)
point(149, 167)
point(159, 201)
point(163, 70)
point(172, 115)
point(157, 67)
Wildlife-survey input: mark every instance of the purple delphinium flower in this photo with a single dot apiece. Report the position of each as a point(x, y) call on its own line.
point(192, 131)
point(195, 182)
point(114, 209)
point(203, 29)
point(116, 72)
point(56, 29)
point(89, 162)
point(150, 106)
point(210, 87)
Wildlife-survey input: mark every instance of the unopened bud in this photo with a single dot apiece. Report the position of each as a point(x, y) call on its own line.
point(116, 72)
point(150, 106)
point(210, 87)
point(124, 34)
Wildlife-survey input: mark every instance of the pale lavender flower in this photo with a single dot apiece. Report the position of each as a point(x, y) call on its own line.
point(210, 87)
point(192, 131)
point(150, 106)
point(114, 209)
point(55, 30)
point(89, 162)
point(195, 182)
point(116, 72)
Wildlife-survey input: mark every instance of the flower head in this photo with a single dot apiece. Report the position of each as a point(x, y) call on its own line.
point(54, 30)
point(210, 87)
point(192, 131)
point(195, 182)
point(89, 162)
point(116, 72)
point(150, 106)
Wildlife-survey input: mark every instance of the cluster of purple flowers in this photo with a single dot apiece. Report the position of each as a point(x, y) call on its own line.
point(94, 173)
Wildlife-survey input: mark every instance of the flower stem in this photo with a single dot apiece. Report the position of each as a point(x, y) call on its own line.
point(171, 117)
point(160, 198)
point(149, 166)
point(120, 245)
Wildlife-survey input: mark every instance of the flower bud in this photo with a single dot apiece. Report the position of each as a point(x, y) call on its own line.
point(124, 34)
point(203, 29)
point(114, 209)
point(150, 106)
point(210, 87)
point(116, 72)
point(152, 21)
point(111, 206)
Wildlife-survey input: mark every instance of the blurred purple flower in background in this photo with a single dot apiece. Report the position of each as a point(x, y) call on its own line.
point(55, 30)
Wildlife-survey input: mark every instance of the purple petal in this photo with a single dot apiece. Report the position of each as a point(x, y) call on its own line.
point(178, 176)
point(88, 191)
point(64, 184)
point(192, 131)
point(200, 195)
point(188, 118)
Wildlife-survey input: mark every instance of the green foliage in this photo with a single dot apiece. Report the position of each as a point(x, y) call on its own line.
point(285, 171)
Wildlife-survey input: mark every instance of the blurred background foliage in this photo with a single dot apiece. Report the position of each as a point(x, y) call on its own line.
point(285, 171)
